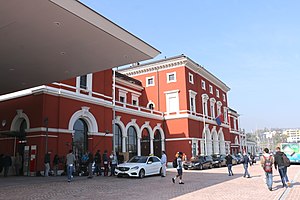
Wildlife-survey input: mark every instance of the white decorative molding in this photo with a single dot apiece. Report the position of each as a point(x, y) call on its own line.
point(16, 122)
point(85, 115)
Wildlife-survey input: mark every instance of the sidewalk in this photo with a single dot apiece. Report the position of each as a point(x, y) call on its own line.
point(205, 184)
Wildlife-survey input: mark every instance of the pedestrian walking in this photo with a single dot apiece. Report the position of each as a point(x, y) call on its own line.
point(47, 163)
point(280, 163)
point(97, 159)
point(55, 164)
point(267, 161)
point(70, 164)
point(246, 161)
point(90, 165)
point(6, 164)
point(18, 163)
point(105, 162)
point(163, 161)
point(113, 160)
point(228, 159)
point(178, 161)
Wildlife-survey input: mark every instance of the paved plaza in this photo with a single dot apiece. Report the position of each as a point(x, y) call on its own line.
point(206, 184)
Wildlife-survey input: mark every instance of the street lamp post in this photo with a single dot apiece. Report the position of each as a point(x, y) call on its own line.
point(46, 139)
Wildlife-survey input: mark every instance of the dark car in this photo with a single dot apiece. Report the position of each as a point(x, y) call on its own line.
point(219, 160)
point(198, 162)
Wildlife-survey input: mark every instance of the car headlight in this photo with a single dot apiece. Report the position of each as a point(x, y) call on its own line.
point(136, 167)
point(197, 163)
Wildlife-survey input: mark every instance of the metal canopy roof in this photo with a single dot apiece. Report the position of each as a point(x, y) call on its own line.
point(43, 41)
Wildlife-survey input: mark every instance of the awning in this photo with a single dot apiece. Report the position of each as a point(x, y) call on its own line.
point(44, 41)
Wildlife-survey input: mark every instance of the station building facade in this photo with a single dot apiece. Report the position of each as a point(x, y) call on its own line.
point(170, 104)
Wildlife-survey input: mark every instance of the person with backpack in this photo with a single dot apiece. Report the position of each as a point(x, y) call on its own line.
point(282, 161)
point(177, 163)
point(228, 159)
point(266, 162)
point(246, 161)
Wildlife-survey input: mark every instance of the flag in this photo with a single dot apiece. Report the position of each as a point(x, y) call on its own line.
point(219, 119)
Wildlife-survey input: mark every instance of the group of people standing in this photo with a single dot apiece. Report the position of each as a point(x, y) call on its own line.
point(6, 161)
point(88, 159)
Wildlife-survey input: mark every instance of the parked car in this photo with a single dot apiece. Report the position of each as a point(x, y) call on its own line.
point(219, 160)
point(198, 162)
point(234, 160)
point(140, 166)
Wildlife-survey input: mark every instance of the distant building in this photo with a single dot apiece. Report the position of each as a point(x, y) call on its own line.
point(293, 135)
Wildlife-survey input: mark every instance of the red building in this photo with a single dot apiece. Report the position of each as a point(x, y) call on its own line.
point(237, 136)
point(170, 104)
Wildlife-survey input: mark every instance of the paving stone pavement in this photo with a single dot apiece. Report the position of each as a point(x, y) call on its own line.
point(206, 184)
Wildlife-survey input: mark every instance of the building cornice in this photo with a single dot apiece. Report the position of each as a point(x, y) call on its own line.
point(178, 61)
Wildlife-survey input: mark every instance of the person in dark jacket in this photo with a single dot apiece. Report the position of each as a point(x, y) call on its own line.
point(1, 162)
point(105, 162)
point(6, 164)
point(281, 168)
point(228, 159)
point(97, 159)
point(246, 161)
point(90, 165)
point(55, 164)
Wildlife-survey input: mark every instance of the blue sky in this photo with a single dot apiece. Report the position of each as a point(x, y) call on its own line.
point(252, 46)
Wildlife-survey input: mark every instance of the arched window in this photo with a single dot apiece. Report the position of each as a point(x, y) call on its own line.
point(157, 143)
point(132, 141)
point(145, 142)
point(118, 139)
point(80, 138)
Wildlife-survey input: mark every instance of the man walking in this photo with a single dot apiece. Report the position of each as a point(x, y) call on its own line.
point(70, 164)
point(90, 165)
point(47, 163)
point(97, 159)
point(163, 161)
point(228, 159)
point(179, 167)
point(282, 167)
point(266, 163)
point(246, 161)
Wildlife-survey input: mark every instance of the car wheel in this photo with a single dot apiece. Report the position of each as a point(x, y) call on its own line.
point(160, 172)
point(220, 164)
point(185, 168)
point(200, 167)
point(210, 166)
point(142, 173)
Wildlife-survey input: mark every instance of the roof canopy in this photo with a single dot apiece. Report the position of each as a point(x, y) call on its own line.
point(52, 40)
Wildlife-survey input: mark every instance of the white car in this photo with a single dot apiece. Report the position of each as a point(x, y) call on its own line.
point(140, 166)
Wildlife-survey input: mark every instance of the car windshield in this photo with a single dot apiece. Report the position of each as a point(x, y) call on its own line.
point(215, 157)
point(194, 158)
point(138, 159)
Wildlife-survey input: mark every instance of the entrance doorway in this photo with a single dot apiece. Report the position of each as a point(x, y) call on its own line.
point(157, 144)
point(80, 139)
point(145, 143)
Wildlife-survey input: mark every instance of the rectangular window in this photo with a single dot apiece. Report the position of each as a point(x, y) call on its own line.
point(134, 102)
point(83, 82)
point(149, 81)
point(122, 99)
point(217, 93)
point(191, 78)
point(122, 96)
point(192, 105)
point(203, 85)
point(171, 77)
point(172, 100)
point(224, 98)
point(211, 89)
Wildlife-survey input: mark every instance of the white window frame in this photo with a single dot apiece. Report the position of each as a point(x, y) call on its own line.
point(204, 104)
point(122, 93)
point(148, 78)
point(136, 98)
point(89, 83)
point(191, 78)
point(234, 124)
point(224, 97)
point(211, 90)
point(217, 93)
point(169, 95)
point(219, 106)
point(212, 108)
point(168, 77)
point(225, 114)
point(192, 99)
point(203, 85)
point(151, 102)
